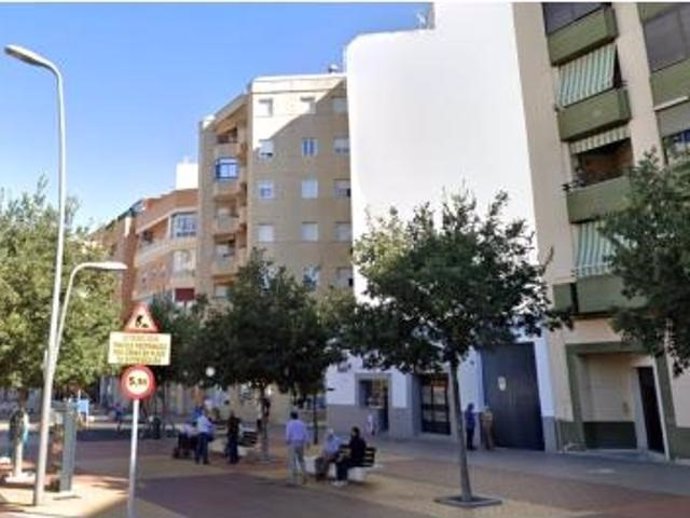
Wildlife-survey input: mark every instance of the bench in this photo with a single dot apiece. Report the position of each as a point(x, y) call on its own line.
point(354, 474)
point(247, 441)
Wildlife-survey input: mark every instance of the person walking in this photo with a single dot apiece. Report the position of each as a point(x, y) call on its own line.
point(296, 438)
point(470, 423)
point(233, 439)
point(204, 428)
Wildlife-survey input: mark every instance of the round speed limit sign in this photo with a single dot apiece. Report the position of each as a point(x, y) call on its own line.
point(137, 382)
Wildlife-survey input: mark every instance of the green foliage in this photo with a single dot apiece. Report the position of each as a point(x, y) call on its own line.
point(184, 326)
point(28, 233)
point(270, 332)
point(440, 289)
point(651, 252)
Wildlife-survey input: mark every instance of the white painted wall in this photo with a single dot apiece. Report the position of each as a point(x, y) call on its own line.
point(433, 111)
point(186, 175)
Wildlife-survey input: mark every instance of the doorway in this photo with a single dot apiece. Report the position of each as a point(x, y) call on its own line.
point(435, 407)
point(511, 390)
point(650, 409)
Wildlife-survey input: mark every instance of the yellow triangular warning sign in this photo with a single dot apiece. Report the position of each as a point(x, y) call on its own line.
point(141, 321)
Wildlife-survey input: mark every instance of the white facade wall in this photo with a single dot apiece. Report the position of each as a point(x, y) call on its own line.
point(432, 111)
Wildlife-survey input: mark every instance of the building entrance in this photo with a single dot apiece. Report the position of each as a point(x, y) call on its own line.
point(435, 407)
point(650, 409)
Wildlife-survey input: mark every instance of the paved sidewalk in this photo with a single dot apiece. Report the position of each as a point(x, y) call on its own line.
point(413, 473)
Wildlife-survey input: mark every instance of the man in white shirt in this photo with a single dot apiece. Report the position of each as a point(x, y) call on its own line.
point(204, 428)
point(296, 438)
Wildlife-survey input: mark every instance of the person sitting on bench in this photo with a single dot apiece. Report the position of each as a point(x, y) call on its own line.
point(328, 454)
point(354, 457)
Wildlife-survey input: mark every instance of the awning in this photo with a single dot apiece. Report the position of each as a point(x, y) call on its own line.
point(592, 251)
point(599, 140)
point(587, 76)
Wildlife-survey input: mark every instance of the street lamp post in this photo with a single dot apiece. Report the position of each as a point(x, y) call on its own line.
point(32, 58)
point(106, 266)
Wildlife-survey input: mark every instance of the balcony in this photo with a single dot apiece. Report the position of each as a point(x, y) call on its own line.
point(156, 249)
point(226, 189)
point(226, 149)
point(225, 225)
point(593, 295)
point(582, 36)
point(242, 215)
point(182, 279)
point(671, 83)
point(597, 113)
point(224, 266)
point(592, 201)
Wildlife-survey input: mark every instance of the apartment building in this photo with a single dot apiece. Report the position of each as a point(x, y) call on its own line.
point(156, 238)
point(424, 106)
point(274, 175)
point(602, 85)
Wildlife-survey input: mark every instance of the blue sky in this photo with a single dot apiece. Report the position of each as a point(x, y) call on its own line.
point(139, 78)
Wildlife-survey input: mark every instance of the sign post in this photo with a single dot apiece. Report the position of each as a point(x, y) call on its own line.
point(139, 345)
point(137, 383)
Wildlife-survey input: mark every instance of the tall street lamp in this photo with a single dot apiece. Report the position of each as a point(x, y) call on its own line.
point(105, 266)
point(32, 58)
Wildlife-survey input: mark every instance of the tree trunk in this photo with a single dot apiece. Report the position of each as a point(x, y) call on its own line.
point(315, 419)
point(264, 425)
point(466, 494)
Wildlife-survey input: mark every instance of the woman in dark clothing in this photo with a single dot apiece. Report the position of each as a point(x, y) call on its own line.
point(470, 422)
point(357, 449)
point(233, 439)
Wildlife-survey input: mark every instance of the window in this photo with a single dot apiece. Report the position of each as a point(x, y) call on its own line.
point(311, 276)
point(668, 37)
point(343, 231)
point(265, 190)
point(373, 393)
point(343, 277)
point(310, 188)
point(227, 168)
point(339, 105)
point(307, 104)
point(310, 231)
point(183, 225)
point(183, 261)
point(342, 189)
point(558, 15)
point(265, 233)
point(603, 163)
point(266, 149)
point(341, 145)
point(677, 146)
point(310, 147)
point(224, 250)
point(220, 291)
point(589, 75)
point(264, 108)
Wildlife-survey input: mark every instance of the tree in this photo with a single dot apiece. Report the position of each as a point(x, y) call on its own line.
point(259, 338)
point(184, 326)
point(315, 345)
point(651, 253)
point(439, 289)
point(28, 230)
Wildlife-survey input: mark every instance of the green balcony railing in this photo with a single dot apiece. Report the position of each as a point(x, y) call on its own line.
point(648, 10)
point(594, 114)
point(603, 293)
point(582, 36)
point(592, 201)
point(671, 83)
